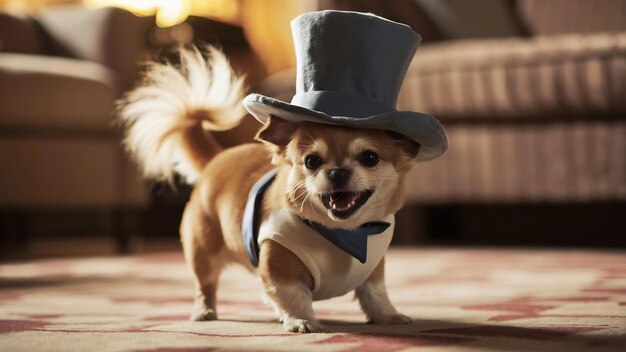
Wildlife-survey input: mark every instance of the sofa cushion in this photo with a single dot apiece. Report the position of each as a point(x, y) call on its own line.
point(57, 171)
point(466, 19)
point(109, 36)
point(582, 75)
point(41, 92)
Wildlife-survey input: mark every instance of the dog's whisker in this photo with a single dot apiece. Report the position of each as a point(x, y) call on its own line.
point(292, 194)
point(313, 207)
point(294, 198)
point(303, 202)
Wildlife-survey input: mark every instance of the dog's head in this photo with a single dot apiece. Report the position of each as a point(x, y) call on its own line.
point(338, 176)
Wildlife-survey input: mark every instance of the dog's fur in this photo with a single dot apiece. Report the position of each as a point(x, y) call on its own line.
point(168, 119)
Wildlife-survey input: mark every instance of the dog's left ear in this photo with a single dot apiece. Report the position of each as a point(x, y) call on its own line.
point(410, 147)
point(276, 134)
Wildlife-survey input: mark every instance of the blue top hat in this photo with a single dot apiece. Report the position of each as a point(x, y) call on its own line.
point(350, 67)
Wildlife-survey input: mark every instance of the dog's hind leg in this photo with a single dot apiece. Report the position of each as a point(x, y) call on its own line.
point(205, 254)
point(288, 284)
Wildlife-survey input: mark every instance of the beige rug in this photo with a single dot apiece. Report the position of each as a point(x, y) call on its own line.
point(494, 300)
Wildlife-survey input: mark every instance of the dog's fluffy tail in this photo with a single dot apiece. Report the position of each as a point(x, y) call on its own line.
point(168, 116)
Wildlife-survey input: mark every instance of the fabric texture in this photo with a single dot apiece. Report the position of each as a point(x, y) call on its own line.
point(350, 67)
point(543, 78)
point(41, 172)
point(334, 271)
point(44, 93)
point(577, 161)
point(459, 299)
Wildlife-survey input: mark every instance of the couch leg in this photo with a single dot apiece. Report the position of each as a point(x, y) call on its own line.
point(410, 226)
point(121, 225)
point(127, 223)
point(12, 233)
point(121, 234)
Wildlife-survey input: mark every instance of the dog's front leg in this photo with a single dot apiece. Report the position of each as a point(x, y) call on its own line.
point(372, 295)
point(288, 284)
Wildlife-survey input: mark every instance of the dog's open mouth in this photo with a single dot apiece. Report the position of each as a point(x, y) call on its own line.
point(343, 204)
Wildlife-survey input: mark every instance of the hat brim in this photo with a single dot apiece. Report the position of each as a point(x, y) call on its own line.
point(422, 128)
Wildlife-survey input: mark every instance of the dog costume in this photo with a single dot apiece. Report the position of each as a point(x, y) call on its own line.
point(349, 70)
point(338, 260)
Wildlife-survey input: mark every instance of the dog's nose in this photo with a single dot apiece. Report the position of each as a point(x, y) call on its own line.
point(339, 176)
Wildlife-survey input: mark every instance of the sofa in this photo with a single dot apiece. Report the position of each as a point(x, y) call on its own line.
point(537, 118)
point(531, 92)
point(61, 72)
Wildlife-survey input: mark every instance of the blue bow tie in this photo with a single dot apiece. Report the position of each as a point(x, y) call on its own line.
point(353, 242)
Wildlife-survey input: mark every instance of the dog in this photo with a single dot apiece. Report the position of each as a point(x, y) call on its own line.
point(323, 184)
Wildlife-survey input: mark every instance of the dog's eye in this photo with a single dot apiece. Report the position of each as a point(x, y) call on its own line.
point(312, 161)
point(368, 158)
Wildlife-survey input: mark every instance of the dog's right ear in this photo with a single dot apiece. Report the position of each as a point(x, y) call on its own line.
point(276, 134)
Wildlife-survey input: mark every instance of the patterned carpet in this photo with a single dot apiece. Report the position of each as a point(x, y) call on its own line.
point(498, 300)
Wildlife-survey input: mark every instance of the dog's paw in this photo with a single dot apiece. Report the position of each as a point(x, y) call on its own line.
point(393, 319)
point(302, 326)
point(203, 314)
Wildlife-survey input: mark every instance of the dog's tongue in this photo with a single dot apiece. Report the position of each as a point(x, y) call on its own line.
point(342, 200)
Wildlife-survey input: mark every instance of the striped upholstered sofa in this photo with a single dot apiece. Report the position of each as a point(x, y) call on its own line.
point(537, 117)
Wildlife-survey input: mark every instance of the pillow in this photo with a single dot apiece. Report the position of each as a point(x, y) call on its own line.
point(462, 19)
point(19, 34)
point(572, 16)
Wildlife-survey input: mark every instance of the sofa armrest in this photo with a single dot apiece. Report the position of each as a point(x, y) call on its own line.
point(19, 34)
point(109, 36)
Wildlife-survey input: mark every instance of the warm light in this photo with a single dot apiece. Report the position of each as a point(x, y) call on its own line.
point(168, 12)
point(138, 7)
point(172, 12)
point(224, 10)
point(26, 6)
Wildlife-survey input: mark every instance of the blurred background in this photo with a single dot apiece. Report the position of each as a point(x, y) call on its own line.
point(532, 94)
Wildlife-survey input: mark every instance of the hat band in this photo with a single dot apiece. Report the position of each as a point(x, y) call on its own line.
point(340, 104)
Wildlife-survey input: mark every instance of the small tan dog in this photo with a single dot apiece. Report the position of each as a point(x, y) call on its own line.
point(333, 178)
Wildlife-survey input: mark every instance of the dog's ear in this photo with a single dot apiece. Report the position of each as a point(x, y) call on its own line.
point(276, 134)
point(410, 147)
